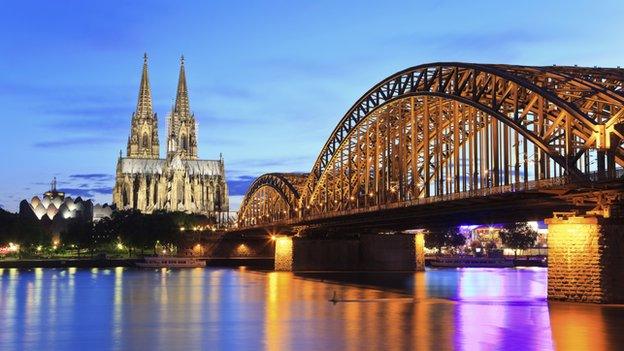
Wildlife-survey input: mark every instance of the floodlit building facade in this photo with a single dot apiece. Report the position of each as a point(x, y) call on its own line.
point(178, 182)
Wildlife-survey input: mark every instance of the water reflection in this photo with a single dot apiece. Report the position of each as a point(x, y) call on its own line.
point(241, 309)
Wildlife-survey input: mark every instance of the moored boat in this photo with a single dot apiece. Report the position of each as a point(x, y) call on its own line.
point(171, 262)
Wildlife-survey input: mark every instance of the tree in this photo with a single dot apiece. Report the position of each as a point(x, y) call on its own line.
point(164, 229)
point(444, 237)
point(79, 232)
point(104, 232)
point(130, 228)
point(518, 236)
point(7, 224)
point(28, 233)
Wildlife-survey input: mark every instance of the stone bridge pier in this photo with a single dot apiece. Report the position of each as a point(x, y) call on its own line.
point(586, 258)
point(367, 252)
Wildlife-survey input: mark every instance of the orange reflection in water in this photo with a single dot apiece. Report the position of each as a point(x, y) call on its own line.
point(223, 309)
point(277, 310)
point(300, 315)
point(582, 327)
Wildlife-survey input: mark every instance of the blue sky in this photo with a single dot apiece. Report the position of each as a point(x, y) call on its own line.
point(268, 80)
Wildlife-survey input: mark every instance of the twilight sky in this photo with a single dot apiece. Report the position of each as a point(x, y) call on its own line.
point(268, 80)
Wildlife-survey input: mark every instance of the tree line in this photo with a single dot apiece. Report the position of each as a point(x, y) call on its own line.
point(137, 232)
point(128, 230)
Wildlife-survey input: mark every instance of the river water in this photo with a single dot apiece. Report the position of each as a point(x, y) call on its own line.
point(239, 309)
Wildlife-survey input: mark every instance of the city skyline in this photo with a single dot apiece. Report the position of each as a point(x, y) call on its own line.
point(71, 76)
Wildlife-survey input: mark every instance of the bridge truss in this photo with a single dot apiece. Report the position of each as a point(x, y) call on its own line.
point(455, 128)
point(271, 197)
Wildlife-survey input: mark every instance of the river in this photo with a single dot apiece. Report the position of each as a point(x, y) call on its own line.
point(240, 309)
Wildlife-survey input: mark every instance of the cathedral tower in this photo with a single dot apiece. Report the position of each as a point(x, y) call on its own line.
point(178, 182)
point(143, 139)
point(181, 138)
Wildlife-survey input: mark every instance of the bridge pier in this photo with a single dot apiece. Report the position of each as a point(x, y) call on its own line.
point(371, 252)
point(586, 259)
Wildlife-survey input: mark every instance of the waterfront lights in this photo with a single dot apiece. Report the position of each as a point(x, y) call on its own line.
point(120, 246)
point(182, 229)
point(8, 249)
point(39, 248)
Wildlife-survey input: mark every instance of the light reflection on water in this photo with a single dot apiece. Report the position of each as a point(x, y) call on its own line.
point(221, 309)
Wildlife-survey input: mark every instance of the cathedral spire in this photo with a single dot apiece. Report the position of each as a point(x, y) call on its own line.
point(143, 139)
point(144, 103)
point(181, 134)
point(182, 100)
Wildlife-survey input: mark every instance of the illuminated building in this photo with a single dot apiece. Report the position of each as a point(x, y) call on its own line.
point(54, 205)
point(180, 181)
point(54, 209)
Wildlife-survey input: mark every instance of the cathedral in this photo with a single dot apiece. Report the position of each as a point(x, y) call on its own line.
point(178, 182)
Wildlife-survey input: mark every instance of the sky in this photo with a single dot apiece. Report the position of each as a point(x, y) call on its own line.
point(268, 80)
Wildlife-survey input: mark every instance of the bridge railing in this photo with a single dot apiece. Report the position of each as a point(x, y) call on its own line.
point(503, 189)
point(511, 188)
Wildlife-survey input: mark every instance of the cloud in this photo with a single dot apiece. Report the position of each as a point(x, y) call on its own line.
point(240, 184)
point(235, 201)
point(60, 143)
point(93, 119)
point(87, 192)
point(93, 176)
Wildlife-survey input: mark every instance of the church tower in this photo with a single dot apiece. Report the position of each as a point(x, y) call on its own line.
point(178, 182)
point(143, 139)
point(181, 136)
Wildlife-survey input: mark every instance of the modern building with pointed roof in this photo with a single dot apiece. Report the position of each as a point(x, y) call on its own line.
point(178, 182)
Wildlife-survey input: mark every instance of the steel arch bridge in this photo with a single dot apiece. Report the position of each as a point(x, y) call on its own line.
point(271, 197)
point(450, 130)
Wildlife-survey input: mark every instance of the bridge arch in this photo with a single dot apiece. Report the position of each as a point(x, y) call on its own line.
point(568, 120)
point(271, 197)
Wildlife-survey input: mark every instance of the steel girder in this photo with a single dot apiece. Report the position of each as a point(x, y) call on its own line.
point(271, 196)
point(566, 99)
point(443, 128)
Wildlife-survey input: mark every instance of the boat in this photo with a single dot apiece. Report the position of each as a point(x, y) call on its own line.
point(171, 262)
point(472, 261)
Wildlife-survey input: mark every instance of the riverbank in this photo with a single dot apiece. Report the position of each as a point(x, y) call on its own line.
point(251, 262)
point(70, 262)
point(255, 262)
point(470, 261)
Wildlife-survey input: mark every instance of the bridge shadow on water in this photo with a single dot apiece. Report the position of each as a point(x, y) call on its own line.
point(397, 282)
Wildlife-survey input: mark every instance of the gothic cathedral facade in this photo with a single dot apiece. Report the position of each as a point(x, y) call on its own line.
point(178, 182)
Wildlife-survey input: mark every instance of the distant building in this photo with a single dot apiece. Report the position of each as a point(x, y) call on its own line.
point(54, 209)
point(180, 181)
